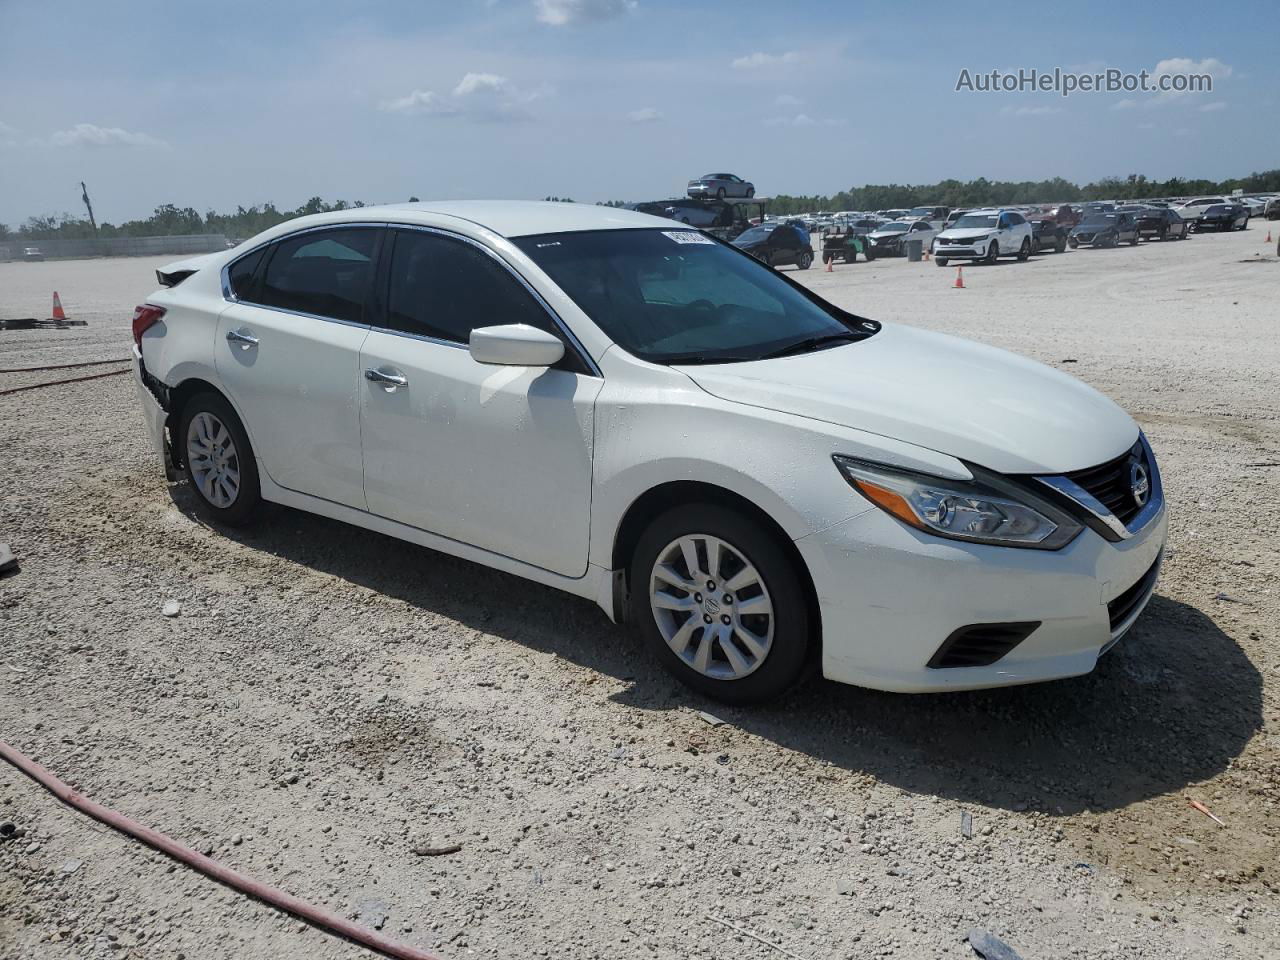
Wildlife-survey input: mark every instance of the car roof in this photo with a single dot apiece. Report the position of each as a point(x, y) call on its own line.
point(508, 218)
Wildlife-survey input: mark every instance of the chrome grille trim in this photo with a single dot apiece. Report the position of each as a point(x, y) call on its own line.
point(1105, 521)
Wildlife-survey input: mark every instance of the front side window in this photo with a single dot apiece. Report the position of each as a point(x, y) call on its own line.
point(681, 297)
point(328, 273)
point(442, 287)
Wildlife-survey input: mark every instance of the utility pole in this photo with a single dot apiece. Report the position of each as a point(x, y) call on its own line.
point(84, 195)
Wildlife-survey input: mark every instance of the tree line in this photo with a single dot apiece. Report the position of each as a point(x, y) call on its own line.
point(170, 220)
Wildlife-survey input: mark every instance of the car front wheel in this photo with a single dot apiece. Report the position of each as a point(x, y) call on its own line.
point(218, 460)
point(993, 252)
point(720, 602)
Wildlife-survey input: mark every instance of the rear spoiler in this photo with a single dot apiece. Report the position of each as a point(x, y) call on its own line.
point(172, 274)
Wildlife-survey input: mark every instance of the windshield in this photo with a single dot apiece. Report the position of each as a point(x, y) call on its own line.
point(893, 228)
point(925, 212)
point(972, 221)
point(678, 296)
point(1098, 220)
point(754, 235)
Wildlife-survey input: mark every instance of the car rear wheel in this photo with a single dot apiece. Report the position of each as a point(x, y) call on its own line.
point(218, 460)
point(993, 252)
point(805, 260)
point(721, 604)
point(751, 192)
point(720, 193)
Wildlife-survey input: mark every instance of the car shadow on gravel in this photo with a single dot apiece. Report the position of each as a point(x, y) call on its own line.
point(1171, 705)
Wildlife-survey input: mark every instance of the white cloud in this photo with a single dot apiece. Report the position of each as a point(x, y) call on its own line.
point(563, 13)
point(787, 100)
point(91, 135)
point(803, 120)
point(1041, 111)
point(1210, 65)
point(419, 101)
point(753, 61)
point(1214, 107)
point(477, 96)
point(1125, 104)
point(645, 115)
point(480, 83)
point(8, 135)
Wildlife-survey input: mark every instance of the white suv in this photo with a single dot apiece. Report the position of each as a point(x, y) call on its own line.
point(637, 413)
point(985, 235)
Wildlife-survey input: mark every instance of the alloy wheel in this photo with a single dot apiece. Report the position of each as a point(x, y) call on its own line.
point(213, 459)
point(711, 606)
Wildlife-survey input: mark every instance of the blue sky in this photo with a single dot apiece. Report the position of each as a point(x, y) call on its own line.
point(215, 104)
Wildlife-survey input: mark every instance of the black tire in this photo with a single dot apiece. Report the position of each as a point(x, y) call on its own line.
point(1164, 234)
point(851, 255)
point(941, 261)
point(805, 260)
point(993, 253)
point(1060, 246)
point(1134, 241)
point(751, 192)
point(1025, 250)
point(720, 193)
point(1073, 243)
point(249, 495)
point(785, 662)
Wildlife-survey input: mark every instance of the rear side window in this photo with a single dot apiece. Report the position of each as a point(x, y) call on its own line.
point(328, 273)
point(242, 273)
point(444, 288)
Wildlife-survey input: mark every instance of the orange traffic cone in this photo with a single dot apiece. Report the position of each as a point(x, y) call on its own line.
point(831, 260)
point(1268, 240)
point(58, 312)
point(959, 284)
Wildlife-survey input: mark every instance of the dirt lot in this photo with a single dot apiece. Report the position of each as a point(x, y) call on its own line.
point(328, 699)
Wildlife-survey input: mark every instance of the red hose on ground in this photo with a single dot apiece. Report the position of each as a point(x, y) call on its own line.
point(211, 868)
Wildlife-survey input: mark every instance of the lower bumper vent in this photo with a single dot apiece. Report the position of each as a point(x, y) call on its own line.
point(981, 644)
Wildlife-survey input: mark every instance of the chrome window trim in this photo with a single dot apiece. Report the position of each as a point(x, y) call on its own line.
point(1141, 520)
point(556, 319)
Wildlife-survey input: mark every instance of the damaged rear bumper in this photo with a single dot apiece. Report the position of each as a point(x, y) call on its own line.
point(151, 398)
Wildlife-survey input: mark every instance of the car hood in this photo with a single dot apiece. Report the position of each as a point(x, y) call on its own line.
point(887, 234)
point(965, 233)
point(965, 399)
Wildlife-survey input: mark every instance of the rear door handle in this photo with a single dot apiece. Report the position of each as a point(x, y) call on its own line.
point(246, 340)
point(389, 381)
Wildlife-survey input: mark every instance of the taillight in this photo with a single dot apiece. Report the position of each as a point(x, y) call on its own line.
point(145, 316)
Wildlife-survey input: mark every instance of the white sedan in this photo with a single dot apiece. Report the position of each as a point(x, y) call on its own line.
point(636, 413)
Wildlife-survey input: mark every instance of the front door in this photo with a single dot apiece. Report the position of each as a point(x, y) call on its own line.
point(498, 457)
point(288, 353)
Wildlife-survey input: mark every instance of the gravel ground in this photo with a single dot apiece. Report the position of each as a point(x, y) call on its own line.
point(329, 700)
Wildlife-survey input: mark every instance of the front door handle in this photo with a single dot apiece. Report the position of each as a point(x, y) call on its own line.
point(389, 381)
point(246, 340)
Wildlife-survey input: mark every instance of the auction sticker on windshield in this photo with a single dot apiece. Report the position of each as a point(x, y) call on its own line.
point(687, 236)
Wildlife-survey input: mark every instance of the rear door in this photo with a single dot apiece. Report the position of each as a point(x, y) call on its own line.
point(288, 353)
point(498, 457)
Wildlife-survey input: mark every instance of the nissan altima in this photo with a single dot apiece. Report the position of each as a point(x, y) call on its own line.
point(631, 411)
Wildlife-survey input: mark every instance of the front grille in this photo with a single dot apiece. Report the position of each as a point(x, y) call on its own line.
point(1111, 483)
point(980, 644)
point(1120, 609)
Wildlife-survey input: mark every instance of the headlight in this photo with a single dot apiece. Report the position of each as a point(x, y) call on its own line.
point(988, 509)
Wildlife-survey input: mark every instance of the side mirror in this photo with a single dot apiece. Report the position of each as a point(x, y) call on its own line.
point(516, 345)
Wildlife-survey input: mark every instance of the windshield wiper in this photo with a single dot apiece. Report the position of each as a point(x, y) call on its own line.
point(706, 358)
point(811, 343)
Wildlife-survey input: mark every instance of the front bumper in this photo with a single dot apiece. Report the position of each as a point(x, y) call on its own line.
point(890, 595)
point(960, 252)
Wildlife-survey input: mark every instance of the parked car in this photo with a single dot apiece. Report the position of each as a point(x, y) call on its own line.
point(1191, 209)
point(888, 239)
point(700, 213)
point(1047, 234)
point(1222, 216)
point(1096, 206)
point(1161, 223)
point(1272, 211)
point(1105, 230)
point(937, 216)
point(952, 217)
point(1064, 214)
point(721, 185)
point(777, 246)
point(985, 235)
point(890, 215)
point(32, 254)
point(753, 477)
